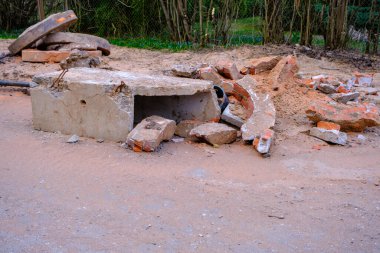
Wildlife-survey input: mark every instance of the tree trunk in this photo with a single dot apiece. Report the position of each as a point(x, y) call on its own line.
point(273, 29)
point(336, 32)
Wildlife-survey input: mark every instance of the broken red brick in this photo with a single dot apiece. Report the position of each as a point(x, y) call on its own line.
point(342, 89)
point(328, 125)
point(259, 65)
point(228, 69)
point(210, 73)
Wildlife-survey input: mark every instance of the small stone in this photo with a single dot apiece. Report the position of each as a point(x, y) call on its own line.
point(367, 90)
point(149, 133)
point(228, 69)
point(215, 133)
point(177, 139)
point(361, 138)
point(99, 140)
point(73, 139)
point(345, 97)
point(331, 136)
point(184, 71)
point(326, 88)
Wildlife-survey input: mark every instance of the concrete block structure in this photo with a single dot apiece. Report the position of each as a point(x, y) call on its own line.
point(106, 104)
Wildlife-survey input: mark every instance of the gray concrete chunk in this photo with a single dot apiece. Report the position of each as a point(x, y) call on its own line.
point(331, 136)
point(149, 133)
point(215, 133)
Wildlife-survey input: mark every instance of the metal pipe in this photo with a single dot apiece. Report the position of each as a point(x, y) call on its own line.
point(15, 83)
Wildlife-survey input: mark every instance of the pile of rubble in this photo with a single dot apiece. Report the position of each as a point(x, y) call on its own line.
point(46, 41)
point(350, 106)
point(245, 112)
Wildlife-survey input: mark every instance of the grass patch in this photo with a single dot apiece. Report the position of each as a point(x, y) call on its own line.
point(9, 35)
point(151, 43)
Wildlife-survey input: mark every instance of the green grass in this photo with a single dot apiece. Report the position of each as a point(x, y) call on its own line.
point(151, 43)
point(9, 35)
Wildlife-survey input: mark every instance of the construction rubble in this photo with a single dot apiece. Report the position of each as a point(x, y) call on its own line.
point(212, 103)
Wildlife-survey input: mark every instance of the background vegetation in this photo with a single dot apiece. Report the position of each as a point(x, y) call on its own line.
point(182, 24)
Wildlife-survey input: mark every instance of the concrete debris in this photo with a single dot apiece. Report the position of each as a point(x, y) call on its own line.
point(376, 80)
point(80, 59)
point(211, 74)
point(231, 118)
point(55, 22)
point(283, 72)
point(104, 104)
point(362, 79)
point(263, 142)
point(373, 99)
point(330, 136)
point(326, 88)
point(215, 133)
point(34, 55)
point(185, 126)
point(78, 38)
point(345, 97)
point(350, 117)
point(177, 139)
point(256, 66)
point(187, 71)
point(262, 118)
point(149, 133)
point(367, 90)
point(73, 139)
point(228, 69)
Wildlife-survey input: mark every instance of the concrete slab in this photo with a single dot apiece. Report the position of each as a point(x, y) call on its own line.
point(34, 55)
point(101, 104)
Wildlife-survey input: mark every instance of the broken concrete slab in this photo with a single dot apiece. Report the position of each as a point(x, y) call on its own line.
point(262, 118)
point(78, 59)
point(58, 21)
point(80, 38)
point(330, 136)
point(231, 118)
point(345, 97)
point(256, 66)
point(244, 91)
point(283, 72)
point(105, 104)
point(326, 88)
point(263, 142)
point(185, 126)
point(228, 69)
point(211, 74)
point(149, 133)
point(215, 133)
point(34, 55)
point(227, 86)
point(349, 117)
point(363, 79)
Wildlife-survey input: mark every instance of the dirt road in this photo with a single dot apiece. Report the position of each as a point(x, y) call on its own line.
point(99, 197)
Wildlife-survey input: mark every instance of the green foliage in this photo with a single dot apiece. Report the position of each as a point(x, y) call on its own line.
point(151, 43)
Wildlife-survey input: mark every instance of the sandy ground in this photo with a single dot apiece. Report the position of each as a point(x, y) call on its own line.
point(99, 197)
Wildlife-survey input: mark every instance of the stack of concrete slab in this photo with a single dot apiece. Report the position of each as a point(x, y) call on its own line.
point(45, 41)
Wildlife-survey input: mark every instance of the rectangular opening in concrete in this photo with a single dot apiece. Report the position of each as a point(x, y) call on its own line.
point(197, 106)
